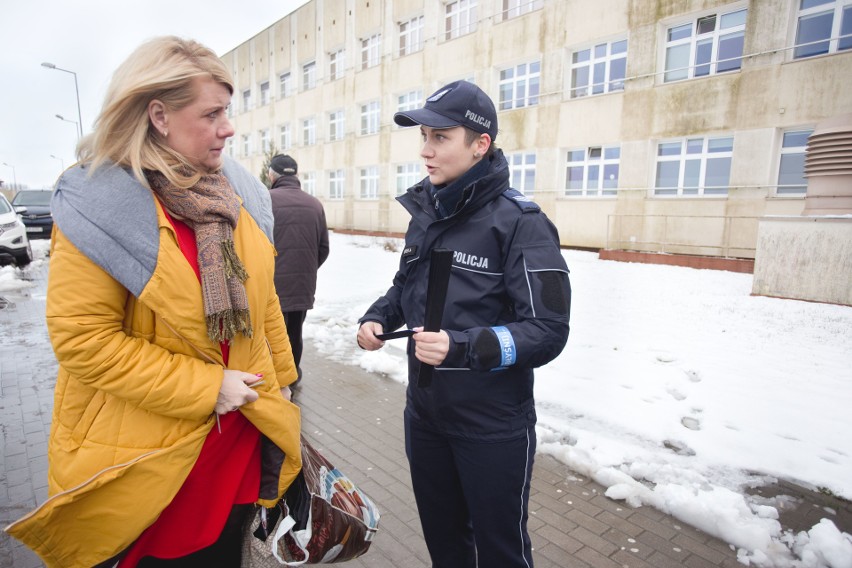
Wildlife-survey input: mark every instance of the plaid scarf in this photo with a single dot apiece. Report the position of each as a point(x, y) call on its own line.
point(211, 209)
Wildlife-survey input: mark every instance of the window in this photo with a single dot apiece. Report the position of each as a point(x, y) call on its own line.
point(246, 100)
point(411, 36)
point(309, 183)
point(515, 8)
point(309, 131)
point(709, 45)
point(791, 171)
point(246, 145)
point(371, 51)
point(519, 86)
point(592, 171)
point(309, 75)
point(599, 69)
point(336, 65)
point(370, 118)
point(460, 19)
point(406, 176)
point(335, 125)
point(285, 87)
point(336, 180)
point(264, 93)
point(522, 172)
point(409, 101)
point(230, 147)
point(370, 182)
point(284, 136)
point(824, 26)
point(264, 140)
point(694, 166)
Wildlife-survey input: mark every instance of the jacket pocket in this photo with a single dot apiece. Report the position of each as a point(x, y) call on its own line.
point(90, 414)
point(547, 279)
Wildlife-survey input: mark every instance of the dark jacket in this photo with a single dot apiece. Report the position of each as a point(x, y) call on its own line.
point(506, 312)
point(301, 239)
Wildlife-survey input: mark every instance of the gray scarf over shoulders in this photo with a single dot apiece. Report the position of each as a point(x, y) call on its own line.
point(111, 217)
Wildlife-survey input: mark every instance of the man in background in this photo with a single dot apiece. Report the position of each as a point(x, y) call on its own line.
point(301, 239)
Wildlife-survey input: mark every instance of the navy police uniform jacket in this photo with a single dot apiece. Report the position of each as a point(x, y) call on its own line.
point(506, 312)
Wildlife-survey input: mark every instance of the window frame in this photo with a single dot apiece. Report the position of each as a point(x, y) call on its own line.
point(601, 162)
point(246, 100)
point(407, 174)
point(309, 182)
point(368, 183)
point(265, 142)
point(594, 62)
point(285, 84)
point(285, 136)
point(414, 33)
point(309, 131)
point(336, 64)
point(336, 125)
point(246, 145)
point(684, 156)
point(530, 81)
point(264, 93)
point(518, 8)
point(460, 18)
point(521, 170)
point(792, 190)
point(370, 118)
point(371, 51)
point(336, 184)
point(309, 75)
point(840, 10)
point(695, 41)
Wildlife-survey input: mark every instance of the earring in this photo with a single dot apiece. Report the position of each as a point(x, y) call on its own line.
point(477, 155)
point(165, 133)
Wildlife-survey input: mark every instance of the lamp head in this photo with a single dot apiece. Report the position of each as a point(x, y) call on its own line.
point(48, 65)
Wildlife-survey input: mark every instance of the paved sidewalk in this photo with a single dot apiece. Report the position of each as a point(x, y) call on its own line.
point(355, 419)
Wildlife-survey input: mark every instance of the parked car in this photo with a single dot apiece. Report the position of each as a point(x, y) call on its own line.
point(14, 244)
point(34, 207)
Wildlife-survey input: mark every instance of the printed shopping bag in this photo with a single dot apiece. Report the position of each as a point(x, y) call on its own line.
point(322, 519)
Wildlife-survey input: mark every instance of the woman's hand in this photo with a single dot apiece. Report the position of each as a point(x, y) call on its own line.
point(367, 336)
point(235, 391)
point(431, 347)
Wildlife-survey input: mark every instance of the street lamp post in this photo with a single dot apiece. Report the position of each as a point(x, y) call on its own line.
point(61, 161)
point(14, 177)
point(76, 90)
point(60, 117)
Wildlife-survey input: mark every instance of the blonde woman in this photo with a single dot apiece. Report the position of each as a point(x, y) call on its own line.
point(171, 413)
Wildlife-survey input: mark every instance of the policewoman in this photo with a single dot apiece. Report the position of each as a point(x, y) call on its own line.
point(470, 435)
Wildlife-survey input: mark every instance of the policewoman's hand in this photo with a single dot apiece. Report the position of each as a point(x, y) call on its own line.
point(367, 336)
point(431, 347)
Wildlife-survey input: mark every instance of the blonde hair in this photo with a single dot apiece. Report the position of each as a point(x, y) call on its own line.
point(163, 68)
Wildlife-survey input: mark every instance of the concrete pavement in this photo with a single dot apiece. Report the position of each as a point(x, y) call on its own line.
point(355, 419)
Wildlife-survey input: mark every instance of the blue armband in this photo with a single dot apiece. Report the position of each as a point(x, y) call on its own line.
point(508, 354)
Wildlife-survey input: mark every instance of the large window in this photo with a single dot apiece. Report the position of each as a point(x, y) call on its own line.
point(336, 65)
point(592, 171)
point(309, 131)
point(309, 75)
point(406, 176)
point(246, 100)
point(246, 145)
point(460, 18)
point(515, 8)
point(264, 93)
point(519, 85)
point(336, 180)
point(285, 137)
point(371, 51)
point(309, 183)
point(824, 26)
point(791, 169)
point(370, 118)
point(409, 101)
point(370, 182)
point(335, 125)
point(411, 36)
point(229, 145)
point(285, 85)
point(706, 46)
point(694, 166)
point(522, 172)
point(599, 69)
point(264, 140)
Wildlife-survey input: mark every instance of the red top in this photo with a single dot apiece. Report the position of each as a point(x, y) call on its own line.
point(226, 473)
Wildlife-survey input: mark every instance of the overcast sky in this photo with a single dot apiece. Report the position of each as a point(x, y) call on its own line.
point(91, 38)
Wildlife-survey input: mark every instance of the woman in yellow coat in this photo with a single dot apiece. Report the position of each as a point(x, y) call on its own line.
point(171, 407)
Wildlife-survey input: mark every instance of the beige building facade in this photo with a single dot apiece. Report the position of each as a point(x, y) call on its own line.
point(655, 126)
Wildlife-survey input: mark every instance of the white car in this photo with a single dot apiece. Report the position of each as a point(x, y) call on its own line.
point(14, 244)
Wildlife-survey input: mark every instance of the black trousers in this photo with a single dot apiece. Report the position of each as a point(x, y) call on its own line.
point(294, 321)
point(472, 497)
point(224, 553)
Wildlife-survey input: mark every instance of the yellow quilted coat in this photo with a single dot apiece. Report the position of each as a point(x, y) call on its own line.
point(138, 381)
